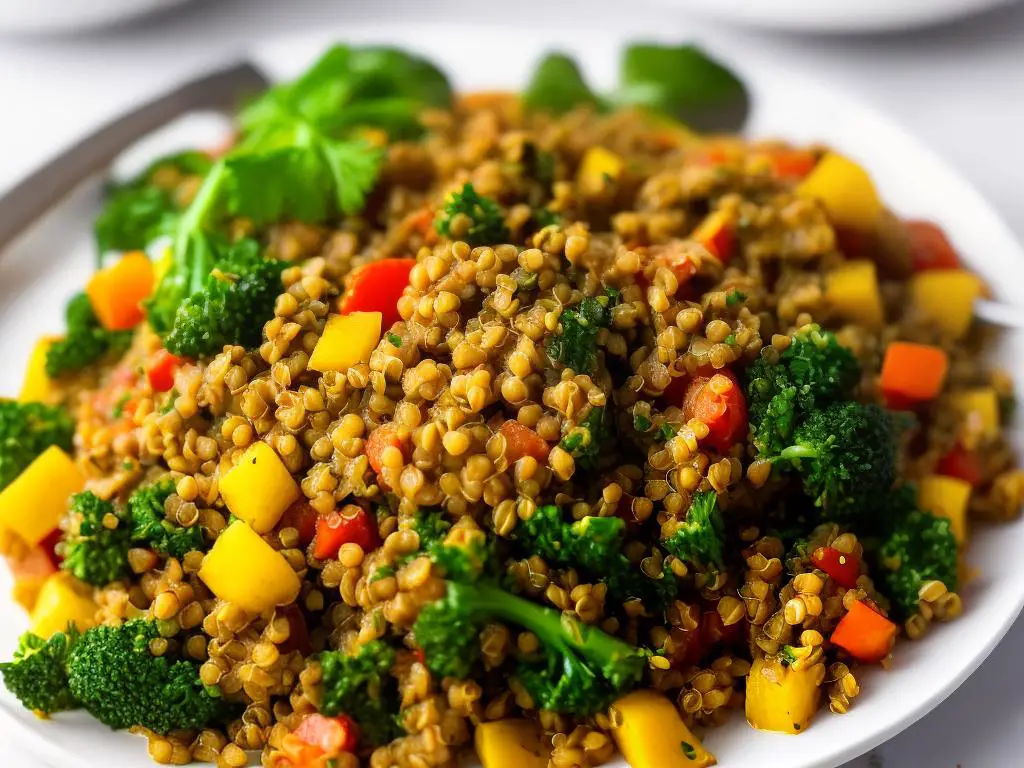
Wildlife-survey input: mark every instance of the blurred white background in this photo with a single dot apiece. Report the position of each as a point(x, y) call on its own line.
point(959, 87)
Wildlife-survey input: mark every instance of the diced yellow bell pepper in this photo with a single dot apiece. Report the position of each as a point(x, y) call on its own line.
point(651, 734)
point(63, 600)
point(37, 387)
point(259, 488)
point(946, 497)
point(598, 167)
point(781, 698)
point(852, 290)
point(32, 505)
point(510, 744)
point(245, 570)
point(846, 191)
point(26, 591)
point(347, 340)
point(946, 298)
point(979, 407)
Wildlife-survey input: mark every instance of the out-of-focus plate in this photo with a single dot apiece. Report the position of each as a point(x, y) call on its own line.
point(39, 273)
point(66, 15)
point(836, 15)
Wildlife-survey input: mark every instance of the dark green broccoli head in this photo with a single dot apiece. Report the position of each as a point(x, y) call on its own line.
point(920, 547)
point(486, 219)
point(235, 301)
point(38, 675)
point(361, 686)
point(431, 526)
point(149, 524)
point(585, 441)
point(113, 674)
point(699, 541)
point(85, 342)
point(575, 345)
point(846, 455)
point(814, 371)
point(26, 430)
point(95, 553)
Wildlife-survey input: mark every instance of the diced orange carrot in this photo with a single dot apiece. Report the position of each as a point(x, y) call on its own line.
point(382, 438)
point(716, 233)
point(522, 441)
point(116, 292)
point(792, 163)
point(865, 634)
point(912, 373)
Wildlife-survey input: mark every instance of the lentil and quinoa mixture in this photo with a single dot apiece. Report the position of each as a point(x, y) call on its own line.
point(688, 406)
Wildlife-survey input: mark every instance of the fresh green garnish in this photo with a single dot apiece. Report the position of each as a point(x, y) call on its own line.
point(641, 423)
point(730, 339)
point(787, 655)
point(85, 342)
point(394, 339)
point(122, 401)
point(666, 432)
point(688, 750)
point(735, 297)
point(558, 85)
point(487, 219)
point(168, 405)
point(383, 572)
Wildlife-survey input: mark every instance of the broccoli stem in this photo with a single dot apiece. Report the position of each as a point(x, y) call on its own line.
point(799, 452)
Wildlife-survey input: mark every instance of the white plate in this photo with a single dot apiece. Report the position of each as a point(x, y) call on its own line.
point(836, 15)
point(54, 261)
point(65, 15)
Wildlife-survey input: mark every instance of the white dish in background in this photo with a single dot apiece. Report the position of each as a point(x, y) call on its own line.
point(50, 263)
point(68, 15)
point(836, 15)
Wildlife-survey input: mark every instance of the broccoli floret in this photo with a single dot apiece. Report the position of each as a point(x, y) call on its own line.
point(919, 547)
point(431, 526)
point(150, 525)
point(575, 346)
point(361, 686)
point(814, 371)
point(486, 219)
point(594, 545)
point(85, 342)
point(699, 541)
point(26, 430)
point(231, 307)
point(579, 669)
point(113, 674)
point(584, 441)
point(38, 675)
point(95, 553)
point(846, 455)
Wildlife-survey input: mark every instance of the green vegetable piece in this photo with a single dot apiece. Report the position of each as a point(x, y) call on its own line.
point(684, 82)
point(115, 677)
point(361, 686)
point(699, 541)
point(95, 553)
point(575, 346)
point(149, 524)
point(558, 86)
point(85, 342)
point(735, 297)
point(487, 220)
point(584, 441)
point(38, 676)
point(26, 430)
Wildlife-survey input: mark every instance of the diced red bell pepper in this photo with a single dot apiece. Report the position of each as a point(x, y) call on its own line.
point(49, 546)
point(713, 630)
point(930, 248)
point(349, 525)
point(522, 441)
point(792, 163)
point(332, 735)
point(843, 568)
point(303, 518)
point(963, 464)
point(384, 436)
point(718, 401)
point(377, 287)
point(161, 369)
point(865, 634)
point(717, 234)
point(687, 647)
point(34, 564)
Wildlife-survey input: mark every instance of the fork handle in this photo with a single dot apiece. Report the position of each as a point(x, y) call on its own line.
point(33, 196)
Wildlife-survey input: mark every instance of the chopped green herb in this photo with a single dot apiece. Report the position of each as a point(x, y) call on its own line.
point(122, 401)
point(558, 86)
point(127, 464)
point(168, 405)
point(666, 431)
point(576, 346)
point(382, 572)
point(487, 219)
point(730, 339)
point(735, 297)
point(394, 339)
point(689, 751)
point(787, 655)
point(641, 423)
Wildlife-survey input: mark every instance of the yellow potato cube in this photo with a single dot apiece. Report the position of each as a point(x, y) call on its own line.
point(32, 505)
point(63, 600)
point(510, 744)
point(852, 290)
point(347, 340)
point(259, 488)
point(37, 387)
point(846, 191)
point(946, 497)
point(946, 298)
point(598, 168)
point(246, 571)
point(651, 734)
point(781, 698)
point(979, 408)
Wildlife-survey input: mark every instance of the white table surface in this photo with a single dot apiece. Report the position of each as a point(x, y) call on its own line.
point(960, 88)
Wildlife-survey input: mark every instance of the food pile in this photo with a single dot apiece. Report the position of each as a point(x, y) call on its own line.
point(413, 420)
